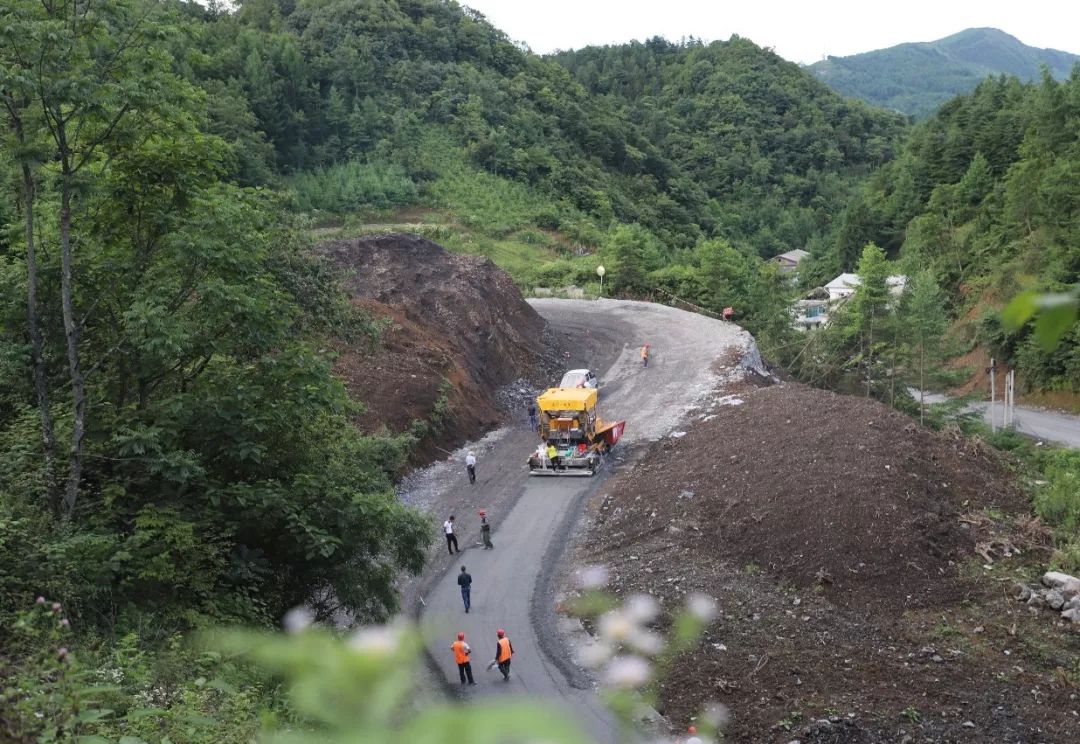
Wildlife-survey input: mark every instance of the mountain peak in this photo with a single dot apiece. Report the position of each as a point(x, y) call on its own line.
point(917, 77)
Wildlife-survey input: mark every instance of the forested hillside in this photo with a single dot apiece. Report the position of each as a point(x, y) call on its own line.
point(916, 78)
point(985, 196)
point(773, 150)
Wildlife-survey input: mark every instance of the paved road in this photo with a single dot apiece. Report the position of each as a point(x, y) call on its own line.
point(1050, 426)
point(688, 353)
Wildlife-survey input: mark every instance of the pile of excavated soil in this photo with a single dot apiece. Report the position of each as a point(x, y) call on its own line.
point(817, 489)
point(457, 329)
point(835, 535)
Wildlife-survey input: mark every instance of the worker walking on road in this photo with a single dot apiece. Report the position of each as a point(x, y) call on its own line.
point(485, 530)
point(534, 422)
point(451, 538)
point(461, 658)
point(470, 465)
point(645, 355)
point(464, 580)
point(504, 651)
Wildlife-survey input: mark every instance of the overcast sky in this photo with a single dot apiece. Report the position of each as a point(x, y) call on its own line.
point(801, 31)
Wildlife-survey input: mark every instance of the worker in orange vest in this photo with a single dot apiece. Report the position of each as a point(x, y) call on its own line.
point(645, 355)
point(461, 658)
point(504, 651)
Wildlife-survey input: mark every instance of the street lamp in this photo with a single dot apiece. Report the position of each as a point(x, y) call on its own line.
point(600, 271)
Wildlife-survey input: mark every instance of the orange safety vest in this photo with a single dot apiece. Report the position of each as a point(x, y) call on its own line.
point(461, 651)
point(644, 352)
point(504, 650)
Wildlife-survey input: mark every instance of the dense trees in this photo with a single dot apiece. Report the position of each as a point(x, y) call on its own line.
point(163, 323)
point(984, 196)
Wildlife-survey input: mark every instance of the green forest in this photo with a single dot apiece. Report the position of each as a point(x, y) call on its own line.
point(175, 453)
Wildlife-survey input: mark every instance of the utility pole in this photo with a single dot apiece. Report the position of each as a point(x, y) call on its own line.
point(993, 396)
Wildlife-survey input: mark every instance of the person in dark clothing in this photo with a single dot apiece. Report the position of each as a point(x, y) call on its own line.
point(534, 422)
point(504, 650)
point(485, 530)
point(465, 582)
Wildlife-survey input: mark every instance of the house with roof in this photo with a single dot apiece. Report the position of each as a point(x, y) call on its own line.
point(813, 311)
point(844, 286)
point(789, 262)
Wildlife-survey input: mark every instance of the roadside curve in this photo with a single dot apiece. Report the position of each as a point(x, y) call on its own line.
point(689, 353)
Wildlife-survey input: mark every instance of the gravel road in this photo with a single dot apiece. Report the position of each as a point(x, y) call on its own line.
point(532, 517)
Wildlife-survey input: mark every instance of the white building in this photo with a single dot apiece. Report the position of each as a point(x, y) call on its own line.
point(844, 286)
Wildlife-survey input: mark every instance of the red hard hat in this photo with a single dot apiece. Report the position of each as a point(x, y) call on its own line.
point(483, 512)
point(460, 636)
point(500, 632)
point(692, 730)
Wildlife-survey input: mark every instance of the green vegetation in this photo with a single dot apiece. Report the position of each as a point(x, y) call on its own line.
point(175, 453)
point(983, 195)
point(917, 78)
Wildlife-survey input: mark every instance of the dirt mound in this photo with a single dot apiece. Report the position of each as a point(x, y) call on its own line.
point(818, 489)
point(835, 535)
point(458, 329)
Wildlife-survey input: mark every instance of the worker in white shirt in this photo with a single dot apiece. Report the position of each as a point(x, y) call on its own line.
point(470, 465)
point(451, 538)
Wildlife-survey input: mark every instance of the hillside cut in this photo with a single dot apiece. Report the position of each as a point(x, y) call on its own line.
point(457, 330)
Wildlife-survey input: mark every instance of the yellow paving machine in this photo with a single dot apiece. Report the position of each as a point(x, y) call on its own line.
point(574, 439)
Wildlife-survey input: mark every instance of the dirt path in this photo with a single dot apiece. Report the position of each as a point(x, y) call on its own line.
point(689, 352)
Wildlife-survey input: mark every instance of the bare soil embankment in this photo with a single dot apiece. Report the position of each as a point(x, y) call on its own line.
point(457, 329)
point(842, 541)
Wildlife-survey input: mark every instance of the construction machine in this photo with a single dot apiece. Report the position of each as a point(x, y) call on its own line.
point(574, 439)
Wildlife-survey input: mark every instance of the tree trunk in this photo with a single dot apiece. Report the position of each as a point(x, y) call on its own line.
point(71, 336)
point(37, 343)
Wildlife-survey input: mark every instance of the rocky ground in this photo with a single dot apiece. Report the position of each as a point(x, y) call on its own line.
point(458, 347)
point(865, 569)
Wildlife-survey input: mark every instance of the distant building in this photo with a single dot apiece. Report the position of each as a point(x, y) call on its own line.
point(844, 286)
point(814, 313)
point(811, 314)
point(789, 261)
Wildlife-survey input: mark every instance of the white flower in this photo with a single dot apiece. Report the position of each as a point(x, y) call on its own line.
point(645, 641)
point(378, 640)
point(594, 655)
point(592, 577)
point(616, 627)
point(702, 607)
point(641, 608)
point(627, 672)
point(298, 619)
point(717, 714)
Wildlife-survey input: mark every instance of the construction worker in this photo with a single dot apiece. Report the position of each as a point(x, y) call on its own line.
point(464, 580)
point(485, 530)
point(470, 465)
point(451, 538)
point(534, 422)
point(461, 658)
point(645, 355)
point(553, 456)
point(504, 651)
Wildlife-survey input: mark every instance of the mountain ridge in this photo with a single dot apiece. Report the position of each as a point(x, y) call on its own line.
point(915, 78)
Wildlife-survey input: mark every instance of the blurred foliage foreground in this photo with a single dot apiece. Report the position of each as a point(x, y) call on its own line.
point(327, 686)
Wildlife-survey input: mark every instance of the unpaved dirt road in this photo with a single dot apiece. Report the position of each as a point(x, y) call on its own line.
point(511, 584)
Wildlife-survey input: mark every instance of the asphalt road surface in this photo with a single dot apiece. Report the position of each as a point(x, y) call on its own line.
point(1050, 426)
point(511, 583)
